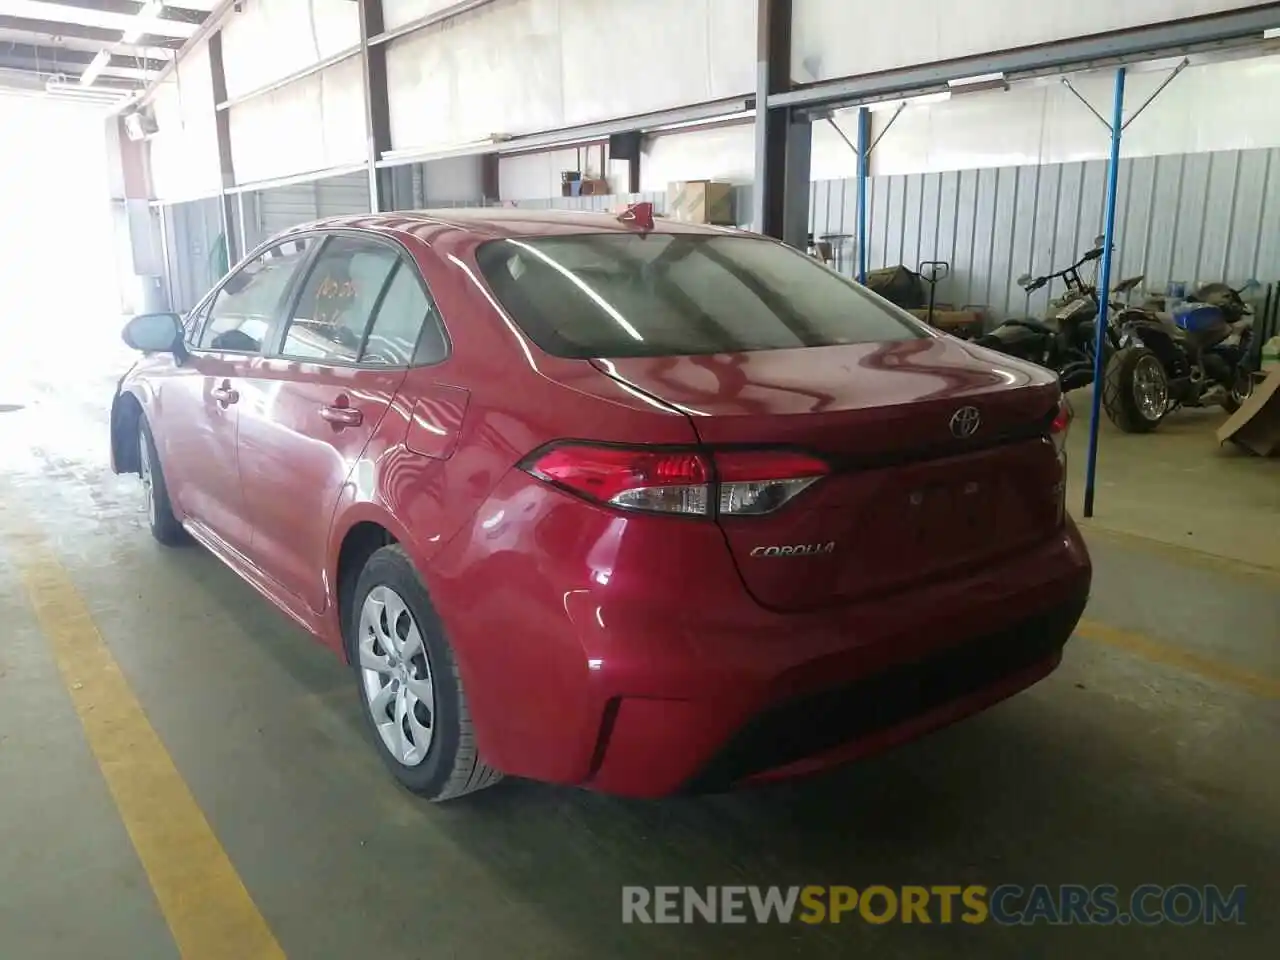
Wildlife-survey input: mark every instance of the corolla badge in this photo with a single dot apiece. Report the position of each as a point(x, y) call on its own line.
point(965, 422)
point(796, 550)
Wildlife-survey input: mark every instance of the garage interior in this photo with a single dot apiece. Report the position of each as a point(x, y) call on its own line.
point(980, 138)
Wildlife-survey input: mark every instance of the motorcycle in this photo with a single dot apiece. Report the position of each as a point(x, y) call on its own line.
point(1200, 354)
point(1065, 340)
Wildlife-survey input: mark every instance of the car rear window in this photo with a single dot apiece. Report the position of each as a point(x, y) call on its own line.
point(635, 295)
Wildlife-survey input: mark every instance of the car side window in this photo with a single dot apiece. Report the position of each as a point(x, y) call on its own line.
point(406, 329)
point(338, 299)
point(244, 307)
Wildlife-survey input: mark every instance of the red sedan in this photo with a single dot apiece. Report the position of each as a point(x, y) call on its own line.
point(642, 507)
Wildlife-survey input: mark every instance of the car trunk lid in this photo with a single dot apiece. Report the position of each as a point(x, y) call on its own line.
point(937, 453)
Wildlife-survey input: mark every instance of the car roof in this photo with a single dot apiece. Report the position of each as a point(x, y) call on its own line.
point(502, 222)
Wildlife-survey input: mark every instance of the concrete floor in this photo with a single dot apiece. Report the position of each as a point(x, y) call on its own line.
point(1148, 757)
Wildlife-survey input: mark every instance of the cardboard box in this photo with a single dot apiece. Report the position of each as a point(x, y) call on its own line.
point(701, 201)
point(1256, 425)
point(584, 188)
point(964, 323)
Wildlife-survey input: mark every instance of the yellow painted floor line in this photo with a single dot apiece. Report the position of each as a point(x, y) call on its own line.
point(1169, 655)
point(208, 909)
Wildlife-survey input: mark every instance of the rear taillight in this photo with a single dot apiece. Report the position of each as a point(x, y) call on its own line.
point(695, 483)
point(1061, 425)
point(630, 477)
point(753, 482)
point(1058, 430)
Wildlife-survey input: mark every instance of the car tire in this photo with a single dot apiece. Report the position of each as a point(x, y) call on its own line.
point(401, 659)
point(1240, 391)
point(165, 527)
point(1119, 394)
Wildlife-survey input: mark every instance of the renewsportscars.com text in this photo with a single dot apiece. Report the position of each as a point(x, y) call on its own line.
point(1006, 904)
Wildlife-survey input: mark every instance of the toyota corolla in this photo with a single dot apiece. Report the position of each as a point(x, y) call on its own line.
point(625, 503)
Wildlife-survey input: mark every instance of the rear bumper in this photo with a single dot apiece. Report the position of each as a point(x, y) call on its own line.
point(819, 730)
point(624, 666)
point(844, 689)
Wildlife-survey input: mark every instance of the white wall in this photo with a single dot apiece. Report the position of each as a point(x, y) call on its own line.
point(519, 66)
point(536, 176)
point(1233, 105)
point(316, 123)
point(721, 153)
point(835, 38)
point(453, 180)
point(396, 13)
point(270, 39)
point(184, 152)
point(48, 192)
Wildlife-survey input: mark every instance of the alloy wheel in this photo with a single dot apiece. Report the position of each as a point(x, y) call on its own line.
point(144, 471)
point(396, 672)
point(1150, 388)
point(1242, 388)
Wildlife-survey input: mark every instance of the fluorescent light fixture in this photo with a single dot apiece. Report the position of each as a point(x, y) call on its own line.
point(95, 67)
point(62, 89)
point(143, 20)
point(942, 96)
point(982, 78)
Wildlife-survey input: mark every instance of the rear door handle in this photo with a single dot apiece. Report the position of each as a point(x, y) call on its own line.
point(224, 394)
point(341, 415)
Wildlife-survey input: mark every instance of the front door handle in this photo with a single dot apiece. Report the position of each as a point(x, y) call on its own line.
point(224, 394)
point(341, 415)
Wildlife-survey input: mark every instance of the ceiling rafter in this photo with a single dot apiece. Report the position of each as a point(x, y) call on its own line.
point(83, 40)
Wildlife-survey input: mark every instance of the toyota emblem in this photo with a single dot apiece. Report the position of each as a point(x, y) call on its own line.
point(965, 421)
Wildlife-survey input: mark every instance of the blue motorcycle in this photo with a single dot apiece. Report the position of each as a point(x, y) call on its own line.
point(1198, 354)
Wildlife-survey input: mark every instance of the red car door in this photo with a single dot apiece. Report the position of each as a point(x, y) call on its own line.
point(309, 409)
point(199, 402)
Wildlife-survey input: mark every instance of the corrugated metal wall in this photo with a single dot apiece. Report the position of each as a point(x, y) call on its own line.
point(267, 212)
point(1188, 218)
point(192, 231)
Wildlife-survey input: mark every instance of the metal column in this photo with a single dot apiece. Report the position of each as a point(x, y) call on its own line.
point(377, 112)
point(864, 171)
point(1104, 292)
point(784, 137)
point(222, 124)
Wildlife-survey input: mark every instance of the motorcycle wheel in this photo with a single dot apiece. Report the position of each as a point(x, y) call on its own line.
point(1241, 390)
point(1135, 390)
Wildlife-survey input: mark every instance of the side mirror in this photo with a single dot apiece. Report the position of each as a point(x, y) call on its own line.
point(155, 333)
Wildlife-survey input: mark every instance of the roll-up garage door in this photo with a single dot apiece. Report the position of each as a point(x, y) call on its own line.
point(268, 212)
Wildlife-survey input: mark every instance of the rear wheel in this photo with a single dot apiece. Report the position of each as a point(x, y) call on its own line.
point(1241, 390)
point(1135, 390)
point(165, 527)
point(409, 683)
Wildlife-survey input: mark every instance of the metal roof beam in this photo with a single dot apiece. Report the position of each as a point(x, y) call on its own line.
point(97, 17)
point(77, 34)
point(78, 58)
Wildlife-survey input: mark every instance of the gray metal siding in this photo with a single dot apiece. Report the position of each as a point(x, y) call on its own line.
point(268, 212)
point(191, 230)
point(1189, 218)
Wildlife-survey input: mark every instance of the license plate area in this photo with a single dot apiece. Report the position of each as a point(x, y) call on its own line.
point(943, 517)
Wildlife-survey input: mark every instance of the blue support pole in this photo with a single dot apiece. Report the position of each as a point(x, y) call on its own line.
point(864, 149)
point(1104, 292)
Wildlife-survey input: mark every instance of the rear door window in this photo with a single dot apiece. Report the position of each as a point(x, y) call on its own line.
point(632, 295)
point(406, 329)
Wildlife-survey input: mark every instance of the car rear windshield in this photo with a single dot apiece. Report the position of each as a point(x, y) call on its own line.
point(638, 295)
